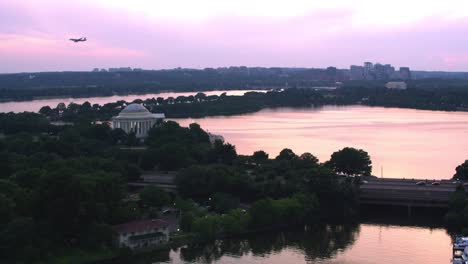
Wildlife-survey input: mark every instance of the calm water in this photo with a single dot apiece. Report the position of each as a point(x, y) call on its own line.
point(406, 143)
point(35, 105)
point(361, 244)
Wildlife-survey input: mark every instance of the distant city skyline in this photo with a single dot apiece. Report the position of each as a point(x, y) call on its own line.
point(200, 34)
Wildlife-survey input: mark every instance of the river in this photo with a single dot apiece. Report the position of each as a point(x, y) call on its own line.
point(35, 105)
point(402, 143)
point(367, 243)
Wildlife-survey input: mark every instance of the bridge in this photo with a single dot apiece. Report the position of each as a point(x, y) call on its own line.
point(373, 191)
point(403, 192)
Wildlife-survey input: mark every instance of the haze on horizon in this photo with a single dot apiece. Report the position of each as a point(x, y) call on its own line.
point(155, 34)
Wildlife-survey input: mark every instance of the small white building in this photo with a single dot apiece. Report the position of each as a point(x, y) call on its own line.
point(141, 235)
point(136, 118)
point(396, 85)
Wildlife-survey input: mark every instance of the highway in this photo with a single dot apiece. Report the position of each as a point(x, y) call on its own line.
point(406, 192)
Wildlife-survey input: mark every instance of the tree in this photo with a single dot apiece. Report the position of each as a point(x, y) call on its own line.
point(186, 221)
point(132, 172)
point(286, 154)
point(154, 196)
point(61, 107)
point(7, 206)
point(202, 181)
point(173, 156)
point(260, 156)
point(224, 202)
point(160, 100)
point(117, 135)
point(308, 160)
point(28, 177)
point(200, 97)
point(462, 171)
point(263, 213)
point(46, 110)
point(351, 162)
point(132, 140)
point(223, 153)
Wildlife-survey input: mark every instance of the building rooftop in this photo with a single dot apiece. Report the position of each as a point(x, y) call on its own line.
point(137, 111)
point(134, 108)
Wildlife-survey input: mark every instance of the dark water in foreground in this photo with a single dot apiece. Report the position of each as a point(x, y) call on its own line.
point(365, 243)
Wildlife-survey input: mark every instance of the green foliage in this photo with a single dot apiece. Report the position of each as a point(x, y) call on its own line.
point(222, 153)
point(173, 147)
point(351, 161)
point(260, 156)
point(154, 196)
point(263, 214)
point(61, 190)
point(462, 171)
point(11, 123)
point(293, 210)
point(132, 172)
point(207, 227)
point(224, 202)
point(286, 154)
point(457, 214)
point(203, 181)
point(28, 178)
point(186, 221)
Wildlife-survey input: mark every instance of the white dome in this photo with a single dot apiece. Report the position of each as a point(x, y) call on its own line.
point(136, 112)
point(134, 108)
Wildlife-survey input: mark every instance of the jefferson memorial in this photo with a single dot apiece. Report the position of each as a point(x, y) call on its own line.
point(136, 118)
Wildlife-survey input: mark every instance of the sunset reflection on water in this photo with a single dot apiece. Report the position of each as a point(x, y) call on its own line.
point(407, 143)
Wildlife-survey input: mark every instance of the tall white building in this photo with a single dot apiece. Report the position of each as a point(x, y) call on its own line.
point(137, 119)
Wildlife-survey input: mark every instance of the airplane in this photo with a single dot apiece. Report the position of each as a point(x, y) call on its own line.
point(78, 40)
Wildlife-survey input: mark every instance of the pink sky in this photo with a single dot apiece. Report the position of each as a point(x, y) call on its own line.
point(155, 34)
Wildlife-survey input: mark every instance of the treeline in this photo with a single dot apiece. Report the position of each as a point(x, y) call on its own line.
point(189, 106)
point(26, 86)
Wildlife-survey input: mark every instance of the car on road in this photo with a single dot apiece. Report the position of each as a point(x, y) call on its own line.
point(420, 183)
point(435, 183)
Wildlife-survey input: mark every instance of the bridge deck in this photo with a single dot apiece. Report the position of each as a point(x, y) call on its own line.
point(406, 192)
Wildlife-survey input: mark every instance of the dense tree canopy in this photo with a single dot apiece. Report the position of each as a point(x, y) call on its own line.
point(63, 187)
point(351, 161)
point(462, 171)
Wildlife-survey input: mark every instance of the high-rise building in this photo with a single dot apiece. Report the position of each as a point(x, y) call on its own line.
point(389, 71)
point(379, 72)
point(356, 72)
point(405, 73)
point(368, 69)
